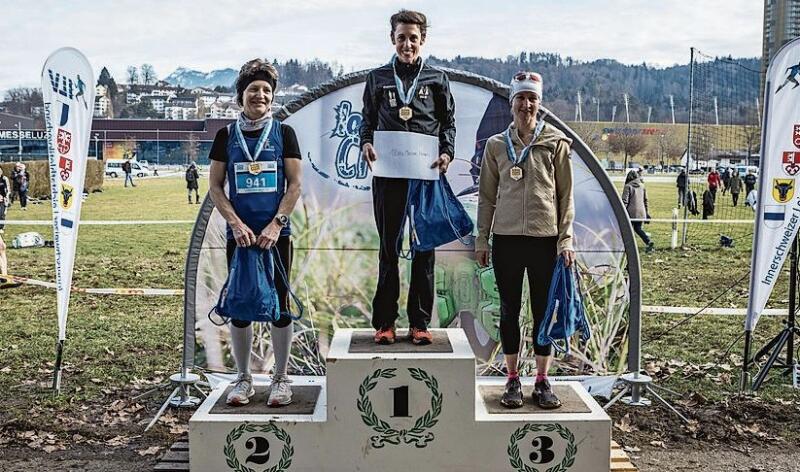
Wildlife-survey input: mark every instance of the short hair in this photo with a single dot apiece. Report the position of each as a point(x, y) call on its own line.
point(410, 17)
point(256, 69)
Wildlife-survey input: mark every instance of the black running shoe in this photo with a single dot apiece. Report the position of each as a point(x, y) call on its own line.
point(544, 397)
point(512, 397)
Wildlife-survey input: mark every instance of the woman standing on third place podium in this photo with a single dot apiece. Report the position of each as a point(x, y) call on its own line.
point(410, 96)
point(258, 215)
point(526, 203)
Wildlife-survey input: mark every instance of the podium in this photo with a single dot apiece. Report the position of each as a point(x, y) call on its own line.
point(400, 407)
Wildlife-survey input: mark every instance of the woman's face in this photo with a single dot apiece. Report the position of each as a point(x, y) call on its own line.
point(257, 98)
point(525, 107)
point(407, 40)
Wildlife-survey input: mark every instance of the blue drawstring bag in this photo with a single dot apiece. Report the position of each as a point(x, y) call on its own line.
point(435, 215)
point(249, 293)
point(565, 314)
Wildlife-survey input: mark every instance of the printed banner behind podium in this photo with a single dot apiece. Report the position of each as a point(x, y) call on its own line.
point(68, 94)
point(778, 201)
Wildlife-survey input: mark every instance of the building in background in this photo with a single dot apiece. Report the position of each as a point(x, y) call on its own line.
point(781, 25)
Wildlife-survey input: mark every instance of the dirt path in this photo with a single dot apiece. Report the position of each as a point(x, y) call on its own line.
point(709, 458)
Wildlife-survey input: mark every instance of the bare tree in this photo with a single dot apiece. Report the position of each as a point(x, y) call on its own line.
point(133, 75)
point(627, 142)
point(148, 74)
point(23, 100)
point(191, 148)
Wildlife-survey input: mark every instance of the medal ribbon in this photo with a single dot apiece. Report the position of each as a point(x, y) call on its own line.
point(406, 97)
point(512, 154)
point(259, 144)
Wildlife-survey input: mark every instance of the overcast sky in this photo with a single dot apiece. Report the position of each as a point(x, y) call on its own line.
point(207, 35)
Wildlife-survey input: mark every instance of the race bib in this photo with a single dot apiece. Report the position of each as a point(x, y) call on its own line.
point(256, 177)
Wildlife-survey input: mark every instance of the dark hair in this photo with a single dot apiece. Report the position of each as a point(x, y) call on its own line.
point(257, 69)
point(410, 17)
point(632, 175)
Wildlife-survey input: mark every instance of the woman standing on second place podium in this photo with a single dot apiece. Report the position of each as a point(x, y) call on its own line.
point(526, 204)
point(258, 215)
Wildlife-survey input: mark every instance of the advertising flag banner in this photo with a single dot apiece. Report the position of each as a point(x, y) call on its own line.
point(68, 94)
point(778, 212)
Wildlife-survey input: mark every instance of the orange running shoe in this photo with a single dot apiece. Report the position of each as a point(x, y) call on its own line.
point(420, 337)
point(385, 335)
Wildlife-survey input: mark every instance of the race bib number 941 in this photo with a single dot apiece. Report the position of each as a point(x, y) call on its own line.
point(256, 177)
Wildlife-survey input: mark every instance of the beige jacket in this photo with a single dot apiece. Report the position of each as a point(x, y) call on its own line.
point(541, 203)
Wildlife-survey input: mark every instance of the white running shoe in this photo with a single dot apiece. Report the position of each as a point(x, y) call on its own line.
point(242, 391)
point(280, 392)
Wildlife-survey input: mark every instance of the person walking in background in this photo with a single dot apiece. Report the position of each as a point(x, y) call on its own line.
point(128, 169)
point(750, 181)
point(20, 182)
point(5, 192)
point(735, 187)
point(681, 183)
point(634, 197)
point(192, 182)
point(726, 179)
point(714, 182)
point(708, 203)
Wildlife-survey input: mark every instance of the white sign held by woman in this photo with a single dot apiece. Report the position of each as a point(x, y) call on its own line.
point(405, 155)
point(68, 94)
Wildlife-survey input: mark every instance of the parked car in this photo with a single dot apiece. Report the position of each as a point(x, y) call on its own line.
point(139, 169)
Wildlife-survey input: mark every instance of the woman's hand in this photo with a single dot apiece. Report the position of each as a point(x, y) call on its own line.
point(368, 154)
point(482, 255)
point(269, 235)
point(243, 235)
point(443, 162)
point(569, 257)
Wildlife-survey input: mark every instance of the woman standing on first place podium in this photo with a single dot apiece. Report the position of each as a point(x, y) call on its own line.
point(258, 215)
point(410, 96)
point(526, 203)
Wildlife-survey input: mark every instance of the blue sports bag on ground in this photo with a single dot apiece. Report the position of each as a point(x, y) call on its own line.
point(565, 313)
point(249, 293)
point(435, 216)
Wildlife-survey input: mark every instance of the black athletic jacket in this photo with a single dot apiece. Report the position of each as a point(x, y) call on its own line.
point(433, 106)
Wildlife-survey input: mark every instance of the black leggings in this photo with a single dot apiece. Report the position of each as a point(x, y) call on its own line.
point(512, 256)
point(285, 252)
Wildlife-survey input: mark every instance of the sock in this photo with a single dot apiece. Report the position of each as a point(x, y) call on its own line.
point(540, 377)
point(242, 343)
point(512, 374)
point(281, 346)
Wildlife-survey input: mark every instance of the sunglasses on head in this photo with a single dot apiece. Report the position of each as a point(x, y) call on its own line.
point(527, 75)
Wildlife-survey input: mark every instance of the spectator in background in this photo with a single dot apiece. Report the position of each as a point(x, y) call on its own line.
point(634, 197)
point(5, 192)
point(20, 181)
point(708, 203)
point(750, 182)
point(735, 186)
point(714, 181)
point(682, 181)
point(128, 169)
point(726, 179)
point(192, 182)
point(3, 259)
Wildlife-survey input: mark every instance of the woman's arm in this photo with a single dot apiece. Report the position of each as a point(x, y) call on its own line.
point(564, 197)
point(294, 175)
point(487, 197)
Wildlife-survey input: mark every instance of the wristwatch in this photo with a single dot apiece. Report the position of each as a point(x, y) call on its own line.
point(282, 219)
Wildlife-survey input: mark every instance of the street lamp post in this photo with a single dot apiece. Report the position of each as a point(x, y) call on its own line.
point(96, 138)
point(19, 141)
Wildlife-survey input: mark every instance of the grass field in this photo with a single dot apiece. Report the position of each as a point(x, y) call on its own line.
point(120, 345)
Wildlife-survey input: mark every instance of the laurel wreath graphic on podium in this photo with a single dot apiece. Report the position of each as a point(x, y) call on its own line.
point(520, 433)
point(419, 435)
point(286, 453)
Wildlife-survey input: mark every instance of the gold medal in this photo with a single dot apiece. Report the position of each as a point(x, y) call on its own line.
point(516, 173)
point(254, 168)
point(406, 113)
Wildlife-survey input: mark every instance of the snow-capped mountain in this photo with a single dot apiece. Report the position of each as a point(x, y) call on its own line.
point(189, 78)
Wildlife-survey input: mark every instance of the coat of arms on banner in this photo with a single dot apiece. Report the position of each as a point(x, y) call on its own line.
point(796, 136)
point(66, 196)
point(791, 162)
point(782, 190)
point(65, 167)
point(64, 140)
